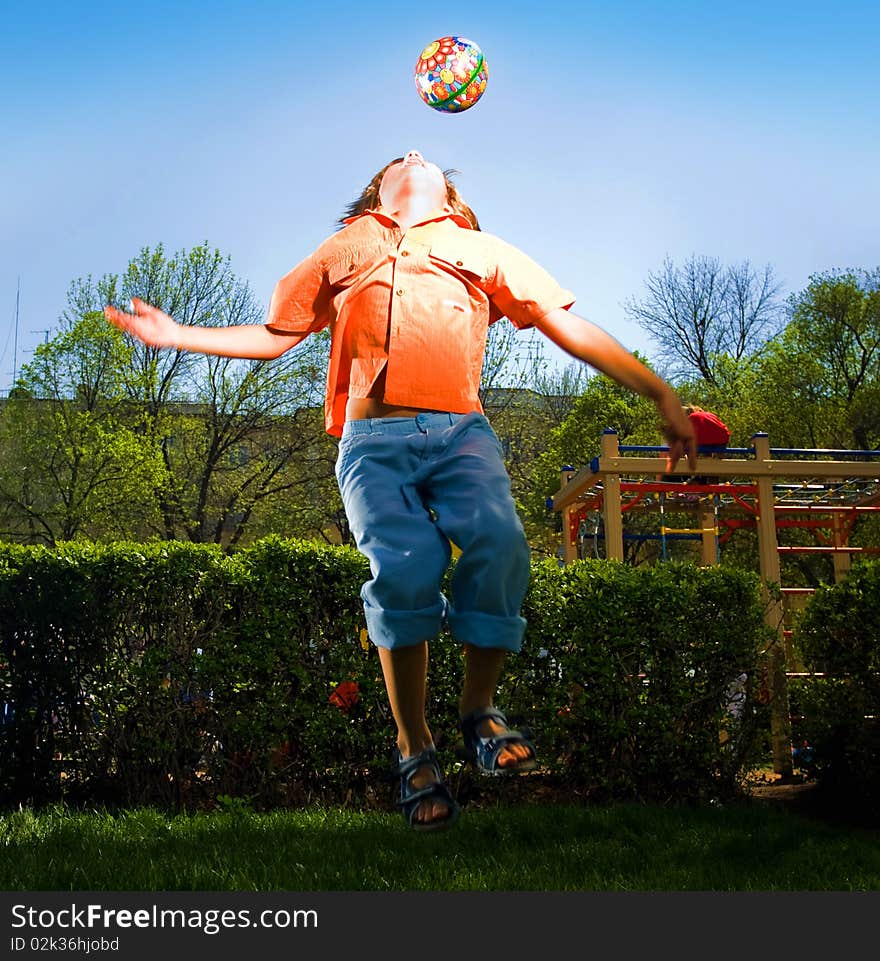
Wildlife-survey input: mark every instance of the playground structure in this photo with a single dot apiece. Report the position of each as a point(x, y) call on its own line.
point(768, 489)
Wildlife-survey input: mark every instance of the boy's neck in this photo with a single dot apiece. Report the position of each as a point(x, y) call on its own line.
point(414, 212)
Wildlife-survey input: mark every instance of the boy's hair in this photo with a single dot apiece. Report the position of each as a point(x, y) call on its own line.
point(369, 198)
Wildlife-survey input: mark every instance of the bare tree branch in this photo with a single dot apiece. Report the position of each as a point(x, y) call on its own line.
point(702, 311)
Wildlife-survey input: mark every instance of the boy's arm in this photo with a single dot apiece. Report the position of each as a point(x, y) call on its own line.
point(156, 329)
point(589, 343)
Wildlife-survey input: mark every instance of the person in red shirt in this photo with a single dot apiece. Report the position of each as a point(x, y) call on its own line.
point(710, 432)
point(408, 287)
point(712, 436)
point(709, 429)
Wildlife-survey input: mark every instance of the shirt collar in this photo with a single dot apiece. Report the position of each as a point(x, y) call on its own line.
point(389, 221)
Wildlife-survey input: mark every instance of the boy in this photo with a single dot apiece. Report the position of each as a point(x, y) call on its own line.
point(409, 287)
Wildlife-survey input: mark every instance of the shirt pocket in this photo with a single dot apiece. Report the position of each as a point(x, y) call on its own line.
point(472, 265)
point(351, 264)
point(343, 273)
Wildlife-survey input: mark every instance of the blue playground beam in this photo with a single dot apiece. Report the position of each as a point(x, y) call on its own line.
point(824, 452)
point(704, 449)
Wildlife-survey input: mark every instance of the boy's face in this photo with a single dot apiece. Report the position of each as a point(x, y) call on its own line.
point(412, 176)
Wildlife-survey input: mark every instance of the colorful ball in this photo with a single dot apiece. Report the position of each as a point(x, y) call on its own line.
point(451, 74)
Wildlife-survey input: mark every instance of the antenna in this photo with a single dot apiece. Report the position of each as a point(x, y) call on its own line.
point(45, 333)
point(15, 343)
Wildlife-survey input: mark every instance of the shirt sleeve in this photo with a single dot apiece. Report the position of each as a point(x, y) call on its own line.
point(521, 289)
point(300, 301)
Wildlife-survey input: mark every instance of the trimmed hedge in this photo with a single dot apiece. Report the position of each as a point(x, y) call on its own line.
point(173, 674)
point(838, 635)
point(650, 678)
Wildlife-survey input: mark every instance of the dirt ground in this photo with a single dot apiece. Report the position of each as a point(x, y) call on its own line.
point(769, 786)
point(808, 798)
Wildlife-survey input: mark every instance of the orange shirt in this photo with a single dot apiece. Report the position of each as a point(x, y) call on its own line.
point(417, 304)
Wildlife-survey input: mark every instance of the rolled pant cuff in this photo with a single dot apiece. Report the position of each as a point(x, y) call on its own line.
point(402, 628)
point(487, 630)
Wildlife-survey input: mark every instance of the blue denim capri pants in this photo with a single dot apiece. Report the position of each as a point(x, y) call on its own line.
point(410, 485)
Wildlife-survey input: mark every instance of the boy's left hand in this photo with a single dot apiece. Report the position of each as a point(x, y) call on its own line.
point(679, 432)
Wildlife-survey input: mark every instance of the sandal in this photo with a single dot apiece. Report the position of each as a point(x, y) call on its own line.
point(410, 798)
point(484, 751)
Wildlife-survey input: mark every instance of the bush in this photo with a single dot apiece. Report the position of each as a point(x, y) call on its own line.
point(173, 674)
point(649, 675)
point(838, 635)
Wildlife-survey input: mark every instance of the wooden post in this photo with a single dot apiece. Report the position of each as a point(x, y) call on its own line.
point(569, 542)
point(709, 533)
point(780, 714)
point(611, 500)
point(840, 537)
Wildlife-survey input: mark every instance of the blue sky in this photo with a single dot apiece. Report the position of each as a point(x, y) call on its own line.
point(610, 136)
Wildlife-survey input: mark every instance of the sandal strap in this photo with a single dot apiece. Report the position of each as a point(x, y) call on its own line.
point(486, 750)
point(491, 747)
point(406, 767)
point(410, 799)
point(436, 789)
point(480, 714)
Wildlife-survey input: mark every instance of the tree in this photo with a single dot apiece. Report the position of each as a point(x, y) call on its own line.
point(836, 321)
point(576, 441)
point(703, 311)
point(559, 389)
point(509, 364)
point(231, 435)
point(818, 382)
point(75, 463)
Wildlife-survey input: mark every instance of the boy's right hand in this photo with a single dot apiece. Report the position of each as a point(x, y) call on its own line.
point(149, 324)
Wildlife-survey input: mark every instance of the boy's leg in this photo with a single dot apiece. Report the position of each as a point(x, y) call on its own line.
point(470, 494)
point(482, 672)
point(406, 670)
point(403, 604)
point(377, 474)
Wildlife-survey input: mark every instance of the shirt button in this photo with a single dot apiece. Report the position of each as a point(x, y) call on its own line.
point(351, 266)
point(400, 291)
point(459, 263)
point(404, 253)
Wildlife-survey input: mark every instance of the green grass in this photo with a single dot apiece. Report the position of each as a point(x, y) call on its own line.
point(746, 846)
